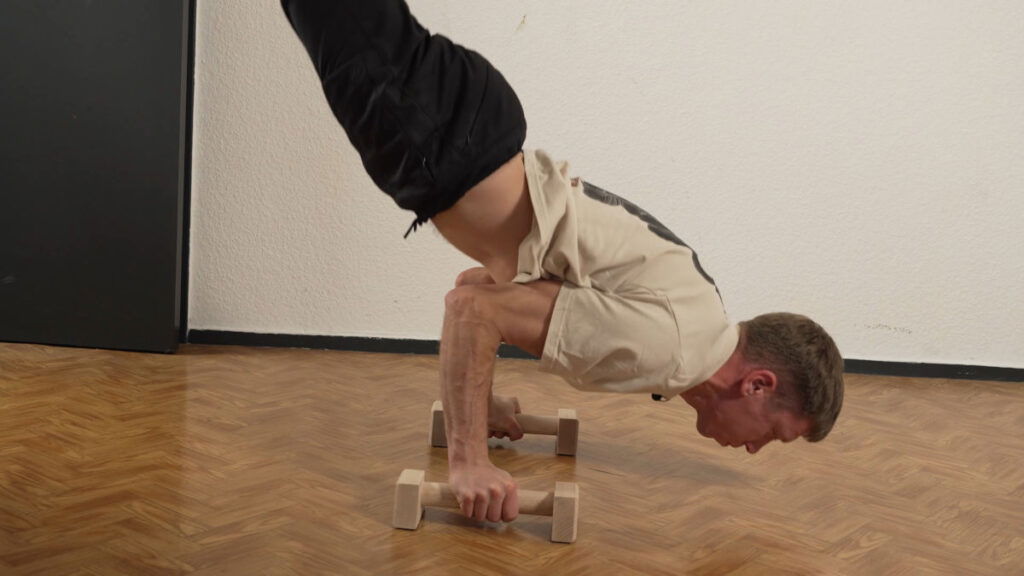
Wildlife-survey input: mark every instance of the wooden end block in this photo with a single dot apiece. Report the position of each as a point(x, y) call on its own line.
point(568, 432)
point(408, 506)
point(438, 438)
point(565, 512)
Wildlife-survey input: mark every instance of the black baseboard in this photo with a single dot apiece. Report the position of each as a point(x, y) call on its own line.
point(351, 343)
point(402, 346)
point(919, 370)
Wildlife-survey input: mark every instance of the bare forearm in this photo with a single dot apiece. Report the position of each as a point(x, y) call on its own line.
point(467, 367)
point(476, 320)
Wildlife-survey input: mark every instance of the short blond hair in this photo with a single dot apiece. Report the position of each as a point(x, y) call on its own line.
point(807, 362)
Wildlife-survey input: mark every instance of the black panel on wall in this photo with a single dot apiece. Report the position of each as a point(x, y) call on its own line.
point(93, 140)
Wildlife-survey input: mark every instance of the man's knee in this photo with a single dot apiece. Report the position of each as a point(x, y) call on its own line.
point(474, 277)
point(463, 300)
point(468, 302)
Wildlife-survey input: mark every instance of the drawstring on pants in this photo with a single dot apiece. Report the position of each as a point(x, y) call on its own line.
point(420, 220)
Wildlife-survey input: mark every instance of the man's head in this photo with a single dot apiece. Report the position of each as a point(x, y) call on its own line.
point(785, 381)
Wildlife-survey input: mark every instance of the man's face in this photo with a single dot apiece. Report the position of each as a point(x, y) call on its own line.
point(743, 414)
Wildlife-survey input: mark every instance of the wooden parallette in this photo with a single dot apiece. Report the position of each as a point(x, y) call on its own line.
point(413, 494)
point(564, 427)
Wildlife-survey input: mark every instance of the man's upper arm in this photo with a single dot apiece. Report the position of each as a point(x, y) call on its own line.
point(612, 342)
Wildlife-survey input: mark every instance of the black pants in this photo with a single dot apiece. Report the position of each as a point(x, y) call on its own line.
point(429, 118)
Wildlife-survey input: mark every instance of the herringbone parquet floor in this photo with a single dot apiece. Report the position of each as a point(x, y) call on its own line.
point(223, 460)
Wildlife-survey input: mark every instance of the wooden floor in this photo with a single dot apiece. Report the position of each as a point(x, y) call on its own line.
point(223, 460)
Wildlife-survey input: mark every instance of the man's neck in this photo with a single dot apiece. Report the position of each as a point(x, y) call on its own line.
point(731, 371)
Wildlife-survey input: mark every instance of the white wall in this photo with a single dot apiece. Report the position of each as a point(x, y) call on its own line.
point(860, 162)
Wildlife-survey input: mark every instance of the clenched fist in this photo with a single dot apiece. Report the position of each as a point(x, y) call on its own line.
point(501, 418)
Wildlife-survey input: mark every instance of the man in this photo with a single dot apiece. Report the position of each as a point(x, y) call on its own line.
point(605, 295)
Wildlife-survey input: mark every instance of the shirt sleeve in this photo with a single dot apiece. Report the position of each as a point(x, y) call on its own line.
point(606, 342)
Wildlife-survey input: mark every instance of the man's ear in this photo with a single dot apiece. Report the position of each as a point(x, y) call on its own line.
point(761, 381)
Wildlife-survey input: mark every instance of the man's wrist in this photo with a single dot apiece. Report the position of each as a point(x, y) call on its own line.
point(467, 454)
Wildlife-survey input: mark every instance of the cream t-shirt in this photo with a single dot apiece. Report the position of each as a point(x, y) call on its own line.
point(636, 312)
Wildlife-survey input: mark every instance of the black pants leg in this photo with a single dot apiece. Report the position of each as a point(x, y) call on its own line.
point(429, 118)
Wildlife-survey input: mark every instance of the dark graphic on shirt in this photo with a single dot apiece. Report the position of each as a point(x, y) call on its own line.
point(653, 225)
